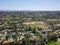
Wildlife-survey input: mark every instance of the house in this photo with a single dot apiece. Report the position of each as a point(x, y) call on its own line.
point(21, 37)
point(10, 39)
point(33, 38)
point(57, 26)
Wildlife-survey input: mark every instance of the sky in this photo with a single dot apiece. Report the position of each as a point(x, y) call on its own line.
point(39, 5)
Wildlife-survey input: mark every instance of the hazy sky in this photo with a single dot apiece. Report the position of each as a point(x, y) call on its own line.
point(30, 5)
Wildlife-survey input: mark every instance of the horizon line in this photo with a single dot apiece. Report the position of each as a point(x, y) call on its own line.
point(29, 10)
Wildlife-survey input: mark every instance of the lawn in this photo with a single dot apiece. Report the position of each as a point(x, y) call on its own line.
point(52, 43)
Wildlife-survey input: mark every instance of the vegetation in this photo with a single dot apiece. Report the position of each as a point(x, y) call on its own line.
point(29, 28)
